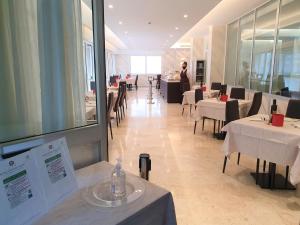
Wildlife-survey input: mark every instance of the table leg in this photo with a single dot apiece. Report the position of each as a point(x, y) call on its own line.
point(257, 170)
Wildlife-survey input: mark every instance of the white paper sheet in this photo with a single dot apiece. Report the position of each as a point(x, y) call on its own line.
point(56, 172)
point(21, 198)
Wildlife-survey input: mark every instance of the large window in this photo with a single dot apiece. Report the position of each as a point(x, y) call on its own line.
point(145, 64)
point(268, 49)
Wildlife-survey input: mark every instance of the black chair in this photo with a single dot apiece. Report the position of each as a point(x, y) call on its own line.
point(223, 89)
point(237, 93)
point(231, 113)
point(122, 99)
point(198, 97)
point(112, 80)
point(256, 103)
point(158, 79)
point(121, 83)
point(108, 111)
point(116, 106)
point(293, 109)
point(136, 82)
point(215, 86)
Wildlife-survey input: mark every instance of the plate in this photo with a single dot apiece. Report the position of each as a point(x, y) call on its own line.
point(100, 194)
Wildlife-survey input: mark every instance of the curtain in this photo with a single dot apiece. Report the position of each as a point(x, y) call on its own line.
point(41, 69)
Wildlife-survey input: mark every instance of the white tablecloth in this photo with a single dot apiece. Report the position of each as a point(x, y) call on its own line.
point(214, 109)
point(254, 137)
point(130, 80)
point(189, 96)
point(154, 207)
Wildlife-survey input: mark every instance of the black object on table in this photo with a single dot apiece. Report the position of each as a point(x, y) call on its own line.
point(170, 91)
point(144, 165)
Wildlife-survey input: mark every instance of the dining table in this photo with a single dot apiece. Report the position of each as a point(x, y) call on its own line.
point(189, 96)
point(213, 108)
point(255, 136)
point(154, 206)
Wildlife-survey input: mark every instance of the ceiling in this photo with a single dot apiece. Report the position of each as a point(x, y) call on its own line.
point(165, 17)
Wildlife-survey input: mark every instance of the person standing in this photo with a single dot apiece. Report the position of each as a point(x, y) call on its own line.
point(184, 80)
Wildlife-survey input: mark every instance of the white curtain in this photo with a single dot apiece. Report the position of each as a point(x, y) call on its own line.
point(42, 81)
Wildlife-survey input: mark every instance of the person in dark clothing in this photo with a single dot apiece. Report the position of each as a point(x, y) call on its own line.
point(184, 80)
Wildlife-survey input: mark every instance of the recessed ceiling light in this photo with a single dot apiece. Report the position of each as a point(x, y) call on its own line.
point(185, 15)
point(110, 6)
point(126, 32)
point(176, 28)
point(171, 35)
point(120, 22)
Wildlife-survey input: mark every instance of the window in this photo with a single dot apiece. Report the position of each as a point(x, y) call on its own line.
point(138, 64)
point(145, 64)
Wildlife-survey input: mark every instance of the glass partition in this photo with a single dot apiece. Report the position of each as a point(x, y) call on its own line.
point(231, 50)
point(245, 50)
point(286, 79)
point(265, 23)
point(42, 88)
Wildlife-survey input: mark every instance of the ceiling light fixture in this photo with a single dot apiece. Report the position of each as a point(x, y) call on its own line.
point(126, 32)
point(120, 22)
point(176, 28)
point(185, 16)
point(110, 6)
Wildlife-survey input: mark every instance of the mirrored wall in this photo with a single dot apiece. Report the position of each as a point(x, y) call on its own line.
point(263, 49)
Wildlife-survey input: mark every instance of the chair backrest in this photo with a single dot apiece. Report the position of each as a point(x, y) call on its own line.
point(136, 80)
point(109, 104)
point(293, 109)
point(223, 89)
point(158, 77)
point(215, 86)
point(198, 95)
point(112, 80)
point(232, 111)
point(117, 102)
point(237, 93)
point(123, 90)
point(256, 103)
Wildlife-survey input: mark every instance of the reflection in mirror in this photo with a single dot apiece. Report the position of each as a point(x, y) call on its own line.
point(231, 48)
point(263, 46)
point(245, 50)
point(286, 79)
point(43, 75)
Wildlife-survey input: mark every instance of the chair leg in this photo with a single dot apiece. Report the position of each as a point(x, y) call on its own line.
point(264, 166)
point(239, 156)
point(224, 164)
point(203, 120)
point(126, 102)
point(257, 170)
point(190, 109)
point(117, 118)
point(195, 127)
point(214, 127)
point(111, 134)
point(182, 110)
point(123, 107)
point(287, 169)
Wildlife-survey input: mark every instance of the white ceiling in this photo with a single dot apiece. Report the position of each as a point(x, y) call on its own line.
point(164, 16)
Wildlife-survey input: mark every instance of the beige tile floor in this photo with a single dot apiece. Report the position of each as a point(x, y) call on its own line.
point(190, 167)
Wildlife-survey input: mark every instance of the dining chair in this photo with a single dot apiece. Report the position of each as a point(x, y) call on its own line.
point(108, 111)
point(122, 100)
point(237, 93)
point(116, 106)
point(158, 78)
point(125, 90)
point(231, 113)
point(215, 86)
point(198, 97)
point(136, 82)
point(293, 109)
point(256, 103)
point(223, 89)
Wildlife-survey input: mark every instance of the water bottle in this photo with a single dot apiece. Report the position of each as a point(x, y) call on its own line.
point(273, 110)
point(118, 182)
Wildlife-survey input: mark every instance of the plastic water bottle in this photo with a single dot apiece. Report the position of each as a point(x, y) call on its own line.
point(118, 182)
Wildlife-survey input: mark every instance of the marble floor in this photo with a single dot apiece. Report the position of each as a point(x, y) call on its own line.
point(190, 167)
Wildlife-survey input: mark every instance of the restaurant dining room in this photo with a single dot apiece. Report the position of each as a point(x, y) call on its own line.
point(150, 112)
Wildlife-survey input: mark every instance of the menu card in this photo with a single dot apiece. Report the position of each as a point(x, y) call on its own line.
point(33, 182)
